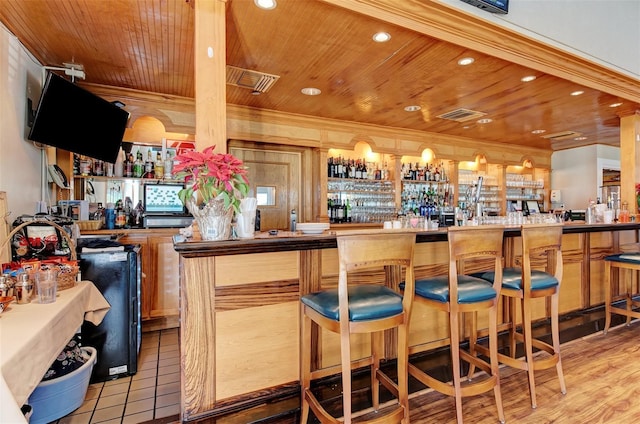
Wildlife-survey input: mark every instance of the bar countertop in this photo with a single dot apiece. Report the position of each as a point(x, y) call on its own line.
point(288, 241)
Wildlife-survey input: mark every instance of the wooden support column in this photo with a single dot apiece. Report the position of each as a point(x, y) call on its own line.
point(210, 74)
point(629, 159)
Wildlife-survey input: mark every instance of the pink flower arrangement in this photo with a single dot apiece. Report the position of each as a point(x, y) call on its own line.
point(209, 175)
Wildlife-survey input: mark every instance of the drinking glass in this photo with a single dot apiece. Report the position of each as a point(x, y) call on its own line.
point(47, 284)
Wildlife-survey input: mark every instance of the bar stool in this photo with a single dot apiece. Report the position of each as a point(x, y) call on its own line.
point(456, 294)
point(631, 262)
point(541, 247)
point(362, 306)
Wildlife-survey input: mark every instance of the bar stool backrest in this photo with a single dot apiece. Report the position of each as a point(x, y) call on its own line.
point(540, 241)
point(358, 252)
point(474, 242)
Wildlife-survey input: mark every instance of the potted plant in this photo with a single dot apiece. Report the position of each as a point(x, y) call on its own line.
point(215, 183)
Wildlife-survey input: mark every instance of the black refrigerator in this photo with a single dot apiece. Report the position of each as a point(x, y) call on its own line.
point(117, 274)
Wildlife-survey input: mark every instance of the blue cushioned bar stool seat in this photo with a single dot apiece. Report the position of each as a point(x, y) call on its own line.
point(478, 247)
point(630, 262)
point(541, 247)
point(367, 300)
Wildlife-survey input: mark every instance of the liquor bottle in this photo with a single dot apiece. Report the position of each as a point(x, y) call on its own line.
point(118, 167)
point(168, 166)
point(149, 166)
point(98, 167)
point(158, 166)
point(85, 166)
point(330, 167)
point(76, 164)
point(340, 212)
point(138, 165)
point(127, 168)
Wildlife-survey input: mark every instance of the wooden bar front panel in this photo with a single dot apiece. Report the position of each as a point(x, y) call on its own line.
point(240, 312)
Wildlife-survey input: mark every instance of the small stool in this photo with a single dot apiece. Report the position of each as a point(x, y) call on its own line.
point(362, 306)
point(457, 294)
point(541, 245)
point(629, 261)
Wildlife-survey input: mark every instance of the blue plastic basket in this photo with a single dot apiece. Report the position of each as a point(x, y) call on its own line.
point(53, 399)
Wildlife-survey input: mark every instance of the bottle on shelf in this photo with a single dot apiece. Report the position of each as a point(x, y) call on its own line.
point(98, 168)
point(137, 214)
point(99, 214)
point(149, 166)
point(138, 166)
point(85, 166)
point(118, 167)
point(168, 166)
point(128, 166)
point(158, 166)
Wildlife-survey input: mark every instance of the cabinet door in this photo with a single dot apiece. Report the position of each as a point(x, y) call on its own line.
point(164, 295)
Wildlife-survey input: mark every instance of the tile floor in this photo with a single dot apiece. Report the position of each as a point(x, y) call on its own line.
point(152, 393)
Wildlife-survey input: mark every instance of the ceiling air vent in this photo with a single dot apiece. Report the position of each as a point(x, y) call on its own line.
point(255, 81)
point(462, 115)
point(562, 135)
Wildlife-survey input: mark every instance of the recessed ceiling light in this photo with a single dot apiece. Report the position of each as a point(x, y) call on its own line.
point(484, 120)
point(528, 78)
point(381, 37)
point(266, 4)
point(412, 108)
point(580, 138)
point(577, 93)
point(615, 104)
point(538, 131)
point(311, 91)
point(466, 61)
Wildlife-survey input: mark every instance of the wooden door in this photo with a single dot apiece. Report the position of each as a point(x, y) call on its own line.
point(280, 171)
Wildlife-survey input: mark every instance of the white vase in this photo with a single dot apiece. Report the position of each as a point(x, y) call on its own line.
point(214, 221)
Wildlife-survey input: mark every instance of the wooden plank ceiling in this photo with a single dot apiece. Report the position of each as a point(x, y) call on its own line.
point(148, 45)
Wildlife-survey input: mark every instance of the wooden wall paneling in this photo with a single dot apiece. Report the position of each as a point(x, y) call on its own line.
point(164, 277)
point(230, 298)
point(599, 245)
point(257, 268)
point(311, 281)
point(197, 337)
point(256, 348)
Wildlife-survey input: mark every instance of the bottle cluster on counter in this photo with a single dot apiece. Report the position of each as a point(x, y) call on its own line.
point(121, 214)
point(426, 199)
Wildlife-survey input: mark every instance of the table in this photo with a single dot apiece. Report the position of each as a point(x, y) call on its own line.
point(32, 336)
point(630, 261)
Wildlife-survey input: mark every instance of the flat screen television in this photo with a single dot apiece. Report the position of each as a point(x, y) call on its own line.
point(71, 118)
point(163, 199)
point(493, 6)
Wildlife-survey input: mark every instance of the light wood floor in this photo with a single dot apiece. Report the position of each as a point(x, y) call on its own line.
point(602, 374)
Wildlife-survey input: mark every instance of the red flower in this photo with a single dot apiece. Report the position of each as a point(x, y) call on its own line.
point(212, 174)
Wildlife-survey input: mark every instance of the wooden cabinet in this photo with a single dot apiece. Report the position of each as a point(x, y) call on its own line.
point(160, 279)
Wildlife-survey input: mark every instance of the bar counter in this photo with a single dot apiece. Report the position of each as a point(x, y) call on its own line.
point(239, 331)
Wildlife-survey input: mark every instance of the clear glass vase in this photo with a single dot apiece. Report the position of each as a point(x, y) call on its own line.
point(213, 219)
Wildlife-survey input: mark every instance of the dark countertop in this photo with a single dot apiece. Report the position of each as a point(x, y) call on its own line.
point(287, 241)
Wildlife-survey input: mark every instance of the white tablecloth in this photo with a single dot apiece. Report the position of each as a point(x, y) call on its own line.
point(32, 336)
